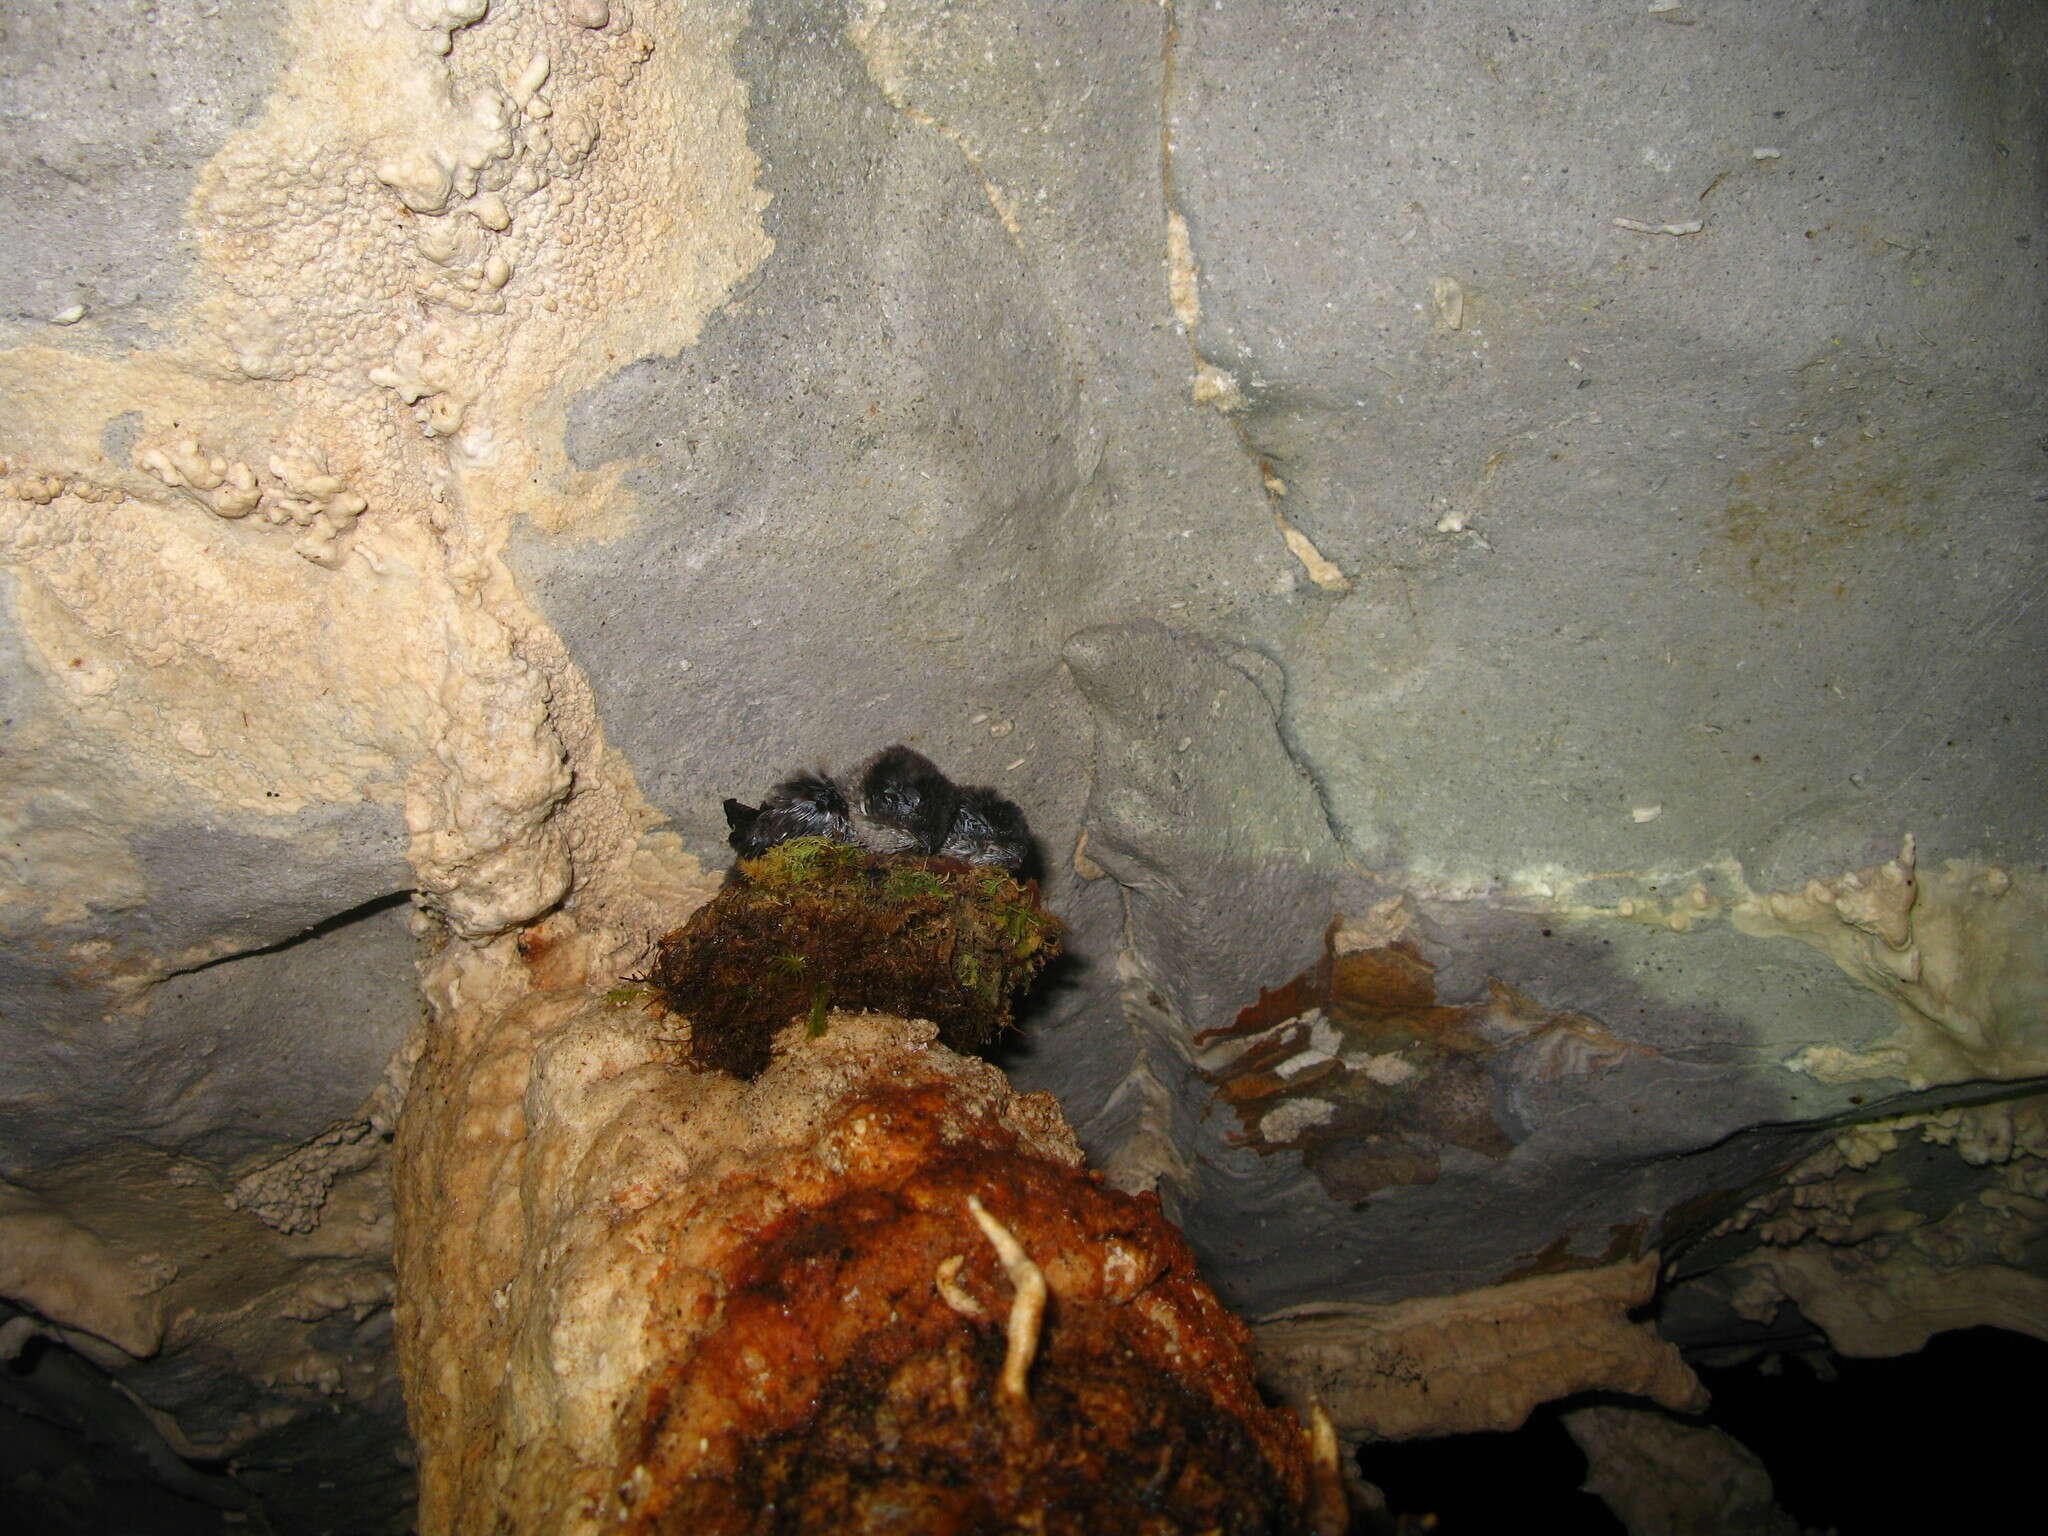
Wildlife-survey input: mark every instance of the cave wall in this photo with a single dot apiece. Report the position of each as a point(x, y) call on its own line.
point(449, 446)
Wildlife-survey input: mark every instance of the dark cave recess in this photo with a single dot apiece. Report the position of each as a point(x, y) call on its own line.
point(1857, 1447)
point(80, 1457)
point(1905, 1443)
point(1853, 1446)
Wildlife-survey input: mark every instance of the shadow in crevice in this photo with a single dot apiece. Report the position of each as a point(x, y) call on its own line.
point(1821, 1423)
point(1818, 1425)
point(77, 1455)
point(320, 930)
point(1476, 1484)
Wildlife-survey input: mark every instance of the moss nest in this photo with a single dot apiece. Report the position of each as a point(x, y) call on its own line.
point(813, 924)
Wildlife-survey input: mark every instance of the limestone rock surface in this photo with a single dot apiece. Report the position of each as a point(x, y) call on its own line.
point(1499, 548)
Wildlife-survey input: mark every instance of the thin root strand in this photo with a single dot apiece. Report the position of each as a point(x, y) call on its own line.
point(1027, 1308)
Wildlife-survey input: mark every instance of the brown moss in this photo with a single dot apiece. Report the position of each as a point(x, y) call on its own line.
point(814, 925)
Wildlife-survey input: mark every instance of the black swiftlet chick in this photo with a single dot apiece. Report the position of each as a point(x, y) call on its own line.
point(905, 804)
point(805, 805)
point(988, 829)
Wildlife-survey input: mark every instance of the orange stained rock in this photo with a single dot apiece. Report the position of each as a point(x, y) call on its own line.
point(643, 1298)
point(841, 1381)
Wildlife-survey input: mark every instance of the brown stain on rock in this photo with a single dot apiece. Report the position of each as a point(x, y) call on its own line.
point(1360, 1066)
point(1624, 1243)
point(1797, 525)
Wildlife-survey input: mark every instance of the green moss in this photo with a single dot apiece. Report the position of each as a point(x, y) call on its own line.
point(804, 861)
point(910, 883)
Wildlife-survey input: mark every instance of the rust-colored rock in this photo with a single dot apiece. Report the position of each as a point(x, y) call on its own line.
point(639, 1297)
point(845, 1390)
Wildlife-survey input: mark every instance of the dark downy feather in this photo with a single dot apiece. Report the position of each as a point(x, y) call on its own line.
point(906, 805)
point(988, 829)
point(805, 805)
